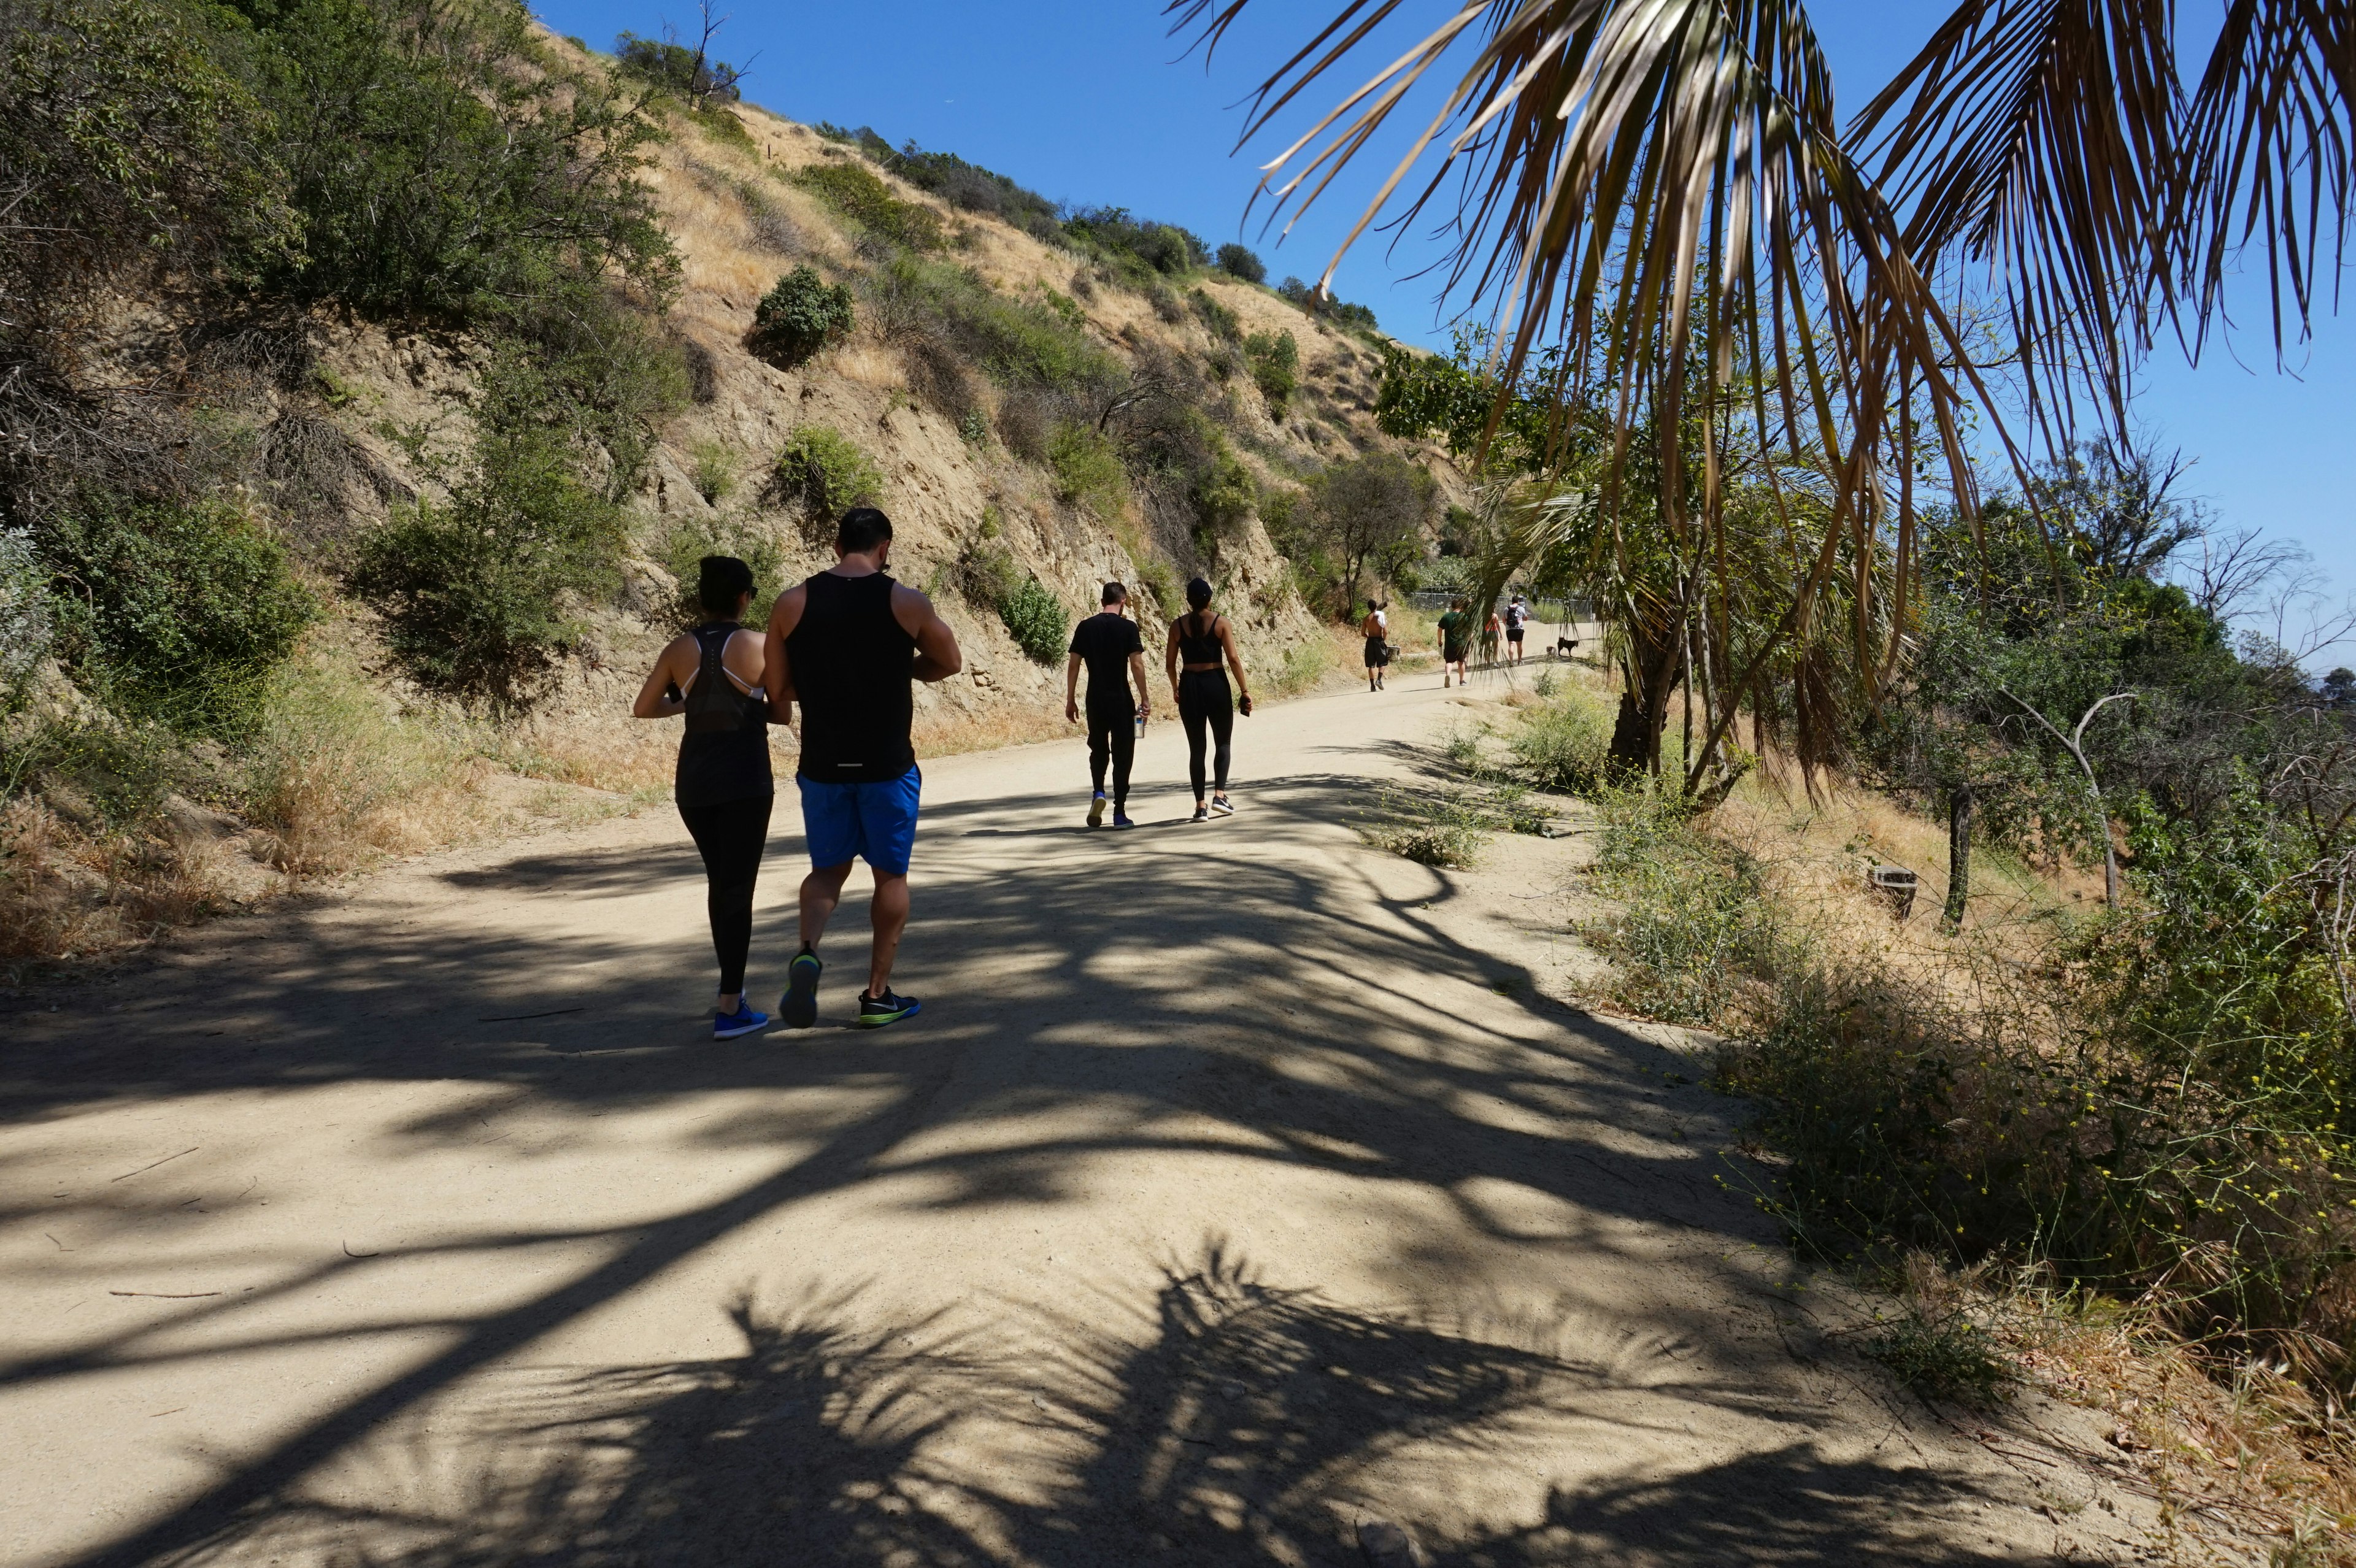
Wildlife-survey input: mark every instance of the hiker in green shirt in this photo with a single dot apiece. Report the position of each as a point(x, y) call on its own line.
point(1455, 637)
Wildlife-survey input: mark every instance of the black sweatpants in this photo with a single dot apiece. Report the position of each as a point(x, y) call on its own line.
point(731, 835)
point(1112, 737)
point(1206, 700)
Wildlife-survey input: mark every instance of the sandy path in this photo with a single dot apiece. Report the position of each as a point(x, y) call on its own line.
point(1240, 1183)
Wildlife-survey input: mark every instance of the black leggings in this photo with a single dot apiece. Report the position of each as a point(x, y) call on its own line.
point(731, 836)
point(1112, 737)
point(1203, 698)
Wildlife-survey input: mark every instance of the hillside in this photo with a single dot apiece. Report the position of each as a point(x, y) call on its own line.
point(1032, 402)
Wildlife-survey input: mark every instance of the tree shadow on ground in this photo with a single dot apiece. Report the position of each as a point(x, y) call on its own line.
point(1281, 990)
point(1239, 1424)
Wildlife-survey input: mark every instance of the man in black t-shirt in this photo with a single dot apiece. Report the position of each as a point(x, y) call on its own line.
point(1108, 645)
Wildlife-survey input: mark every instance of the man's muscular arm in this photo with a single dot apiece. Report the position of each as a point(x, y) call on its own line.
point(937, 657)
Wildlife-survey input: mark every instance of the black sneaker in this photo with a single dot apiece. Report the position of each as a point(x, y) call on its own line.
point(799, 1007)
point(890, 1007)
point(1202, 813)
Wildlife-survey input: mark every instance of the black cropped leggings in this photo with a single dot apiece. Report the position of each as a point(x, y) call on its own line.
point(1205, 702)
point(731, 835)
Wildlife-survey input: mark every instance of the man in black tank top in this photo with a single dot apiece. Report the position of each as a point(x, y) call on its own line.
point(846, 644)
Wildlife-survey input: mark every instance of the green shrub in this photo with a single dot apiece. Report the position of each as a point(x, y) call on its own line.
point(1561, 745)
point(714, 471)
point(1139, 250)
point(826, 472)
point(23, 615)
point(1695, 936)
point(1088, 469)
point(1224, 323)
point(441, 165)
point(801, 315)
point(476, 594)
point(860, 196)
point(986, 573)
point(1239, 262)
point(1034, 618)
point(1225, 493)
point(1945, 1357)
point(686, 545)
point(674, 67)
point(1160, 585)
point(1275, 360)
point(173, 612)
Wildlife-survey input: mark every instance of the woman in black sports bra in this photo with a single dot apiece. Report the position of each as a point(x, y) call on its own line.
point(724, 785)
point(1200, 641)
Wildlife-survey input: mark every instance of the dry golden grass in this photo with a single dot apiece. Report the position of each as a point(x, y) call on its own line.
point(2242, 1461)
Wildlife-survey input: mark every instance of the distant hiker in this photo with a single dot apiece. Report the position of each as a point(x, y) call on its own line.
point(1492, 632)
point(1376, 629)
point(713, 674)
point(1455, 642)
point(846, 644)
point(1108, 645)
point(1517, 619)
point(1201, 638)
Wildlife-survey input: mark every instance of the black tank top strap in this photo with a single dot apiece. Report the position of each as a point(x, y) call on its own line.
point(717, 704)
point(1199, 640)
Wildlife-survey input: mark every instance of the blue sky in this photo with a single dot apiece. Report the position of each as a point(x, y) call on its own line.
point(1084, 101)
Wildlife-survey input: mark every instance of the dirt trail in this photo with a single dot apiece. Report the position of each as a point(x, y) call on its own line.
point(1239, 1184)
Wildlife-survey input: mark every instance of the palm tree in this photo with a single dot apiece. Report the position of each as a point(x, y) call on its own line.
point(1664, 185)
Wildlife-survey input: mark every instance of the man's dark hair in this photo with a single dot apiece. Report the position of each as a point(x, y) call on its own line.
point(720, 580)
point(861, 530)
point(1114, 593)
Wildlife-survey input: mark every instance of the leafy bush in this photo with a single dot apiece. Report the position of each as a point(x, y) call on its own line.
point(1275, 360)
point(1139, 251)
point(1225, 493)
point(1088, 469)
point(1945, 1356)
point(1034, 618)
point(1241, 261)
point(24, 615)
point(860, 196)
point(442, 166)
point(801, 315)
point(1695, 936)
point(1223, 322)
point(826, 470)
point(476, 594)
point(1561, 745)
point(173, 612)
point(986, 574)
point(714, 471)
point(1160, 585)
point(675, 67)
point(969, 188)
point(686, 545)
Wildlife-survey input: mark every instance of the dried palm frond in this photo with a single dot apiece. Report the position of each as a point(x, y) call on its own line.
point(1663, 185)
point(2035, 138)
point(2270, 151)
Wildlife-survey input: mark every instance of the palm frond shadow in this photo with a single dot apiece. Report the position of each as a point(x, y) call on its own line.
point(1220, 1421)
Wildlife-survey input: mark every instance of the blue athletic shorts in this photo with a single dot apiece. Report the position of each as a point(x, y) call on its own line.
point(873, 821)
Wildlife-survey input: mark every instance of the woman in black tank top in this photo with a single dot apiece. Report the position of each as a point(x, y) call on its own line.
point(723, 784)
point(1200, 643)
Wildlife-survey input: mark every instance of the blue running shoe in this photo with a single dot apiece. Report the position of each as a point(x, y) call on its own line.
point(890, 1007)
point(1096, 810)
point(1120, 819)
point(742, 1021)
point(798, 1008)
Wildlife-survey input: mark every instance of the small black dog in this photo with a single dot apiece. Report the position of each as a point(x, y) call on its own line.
point(1567, 647)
